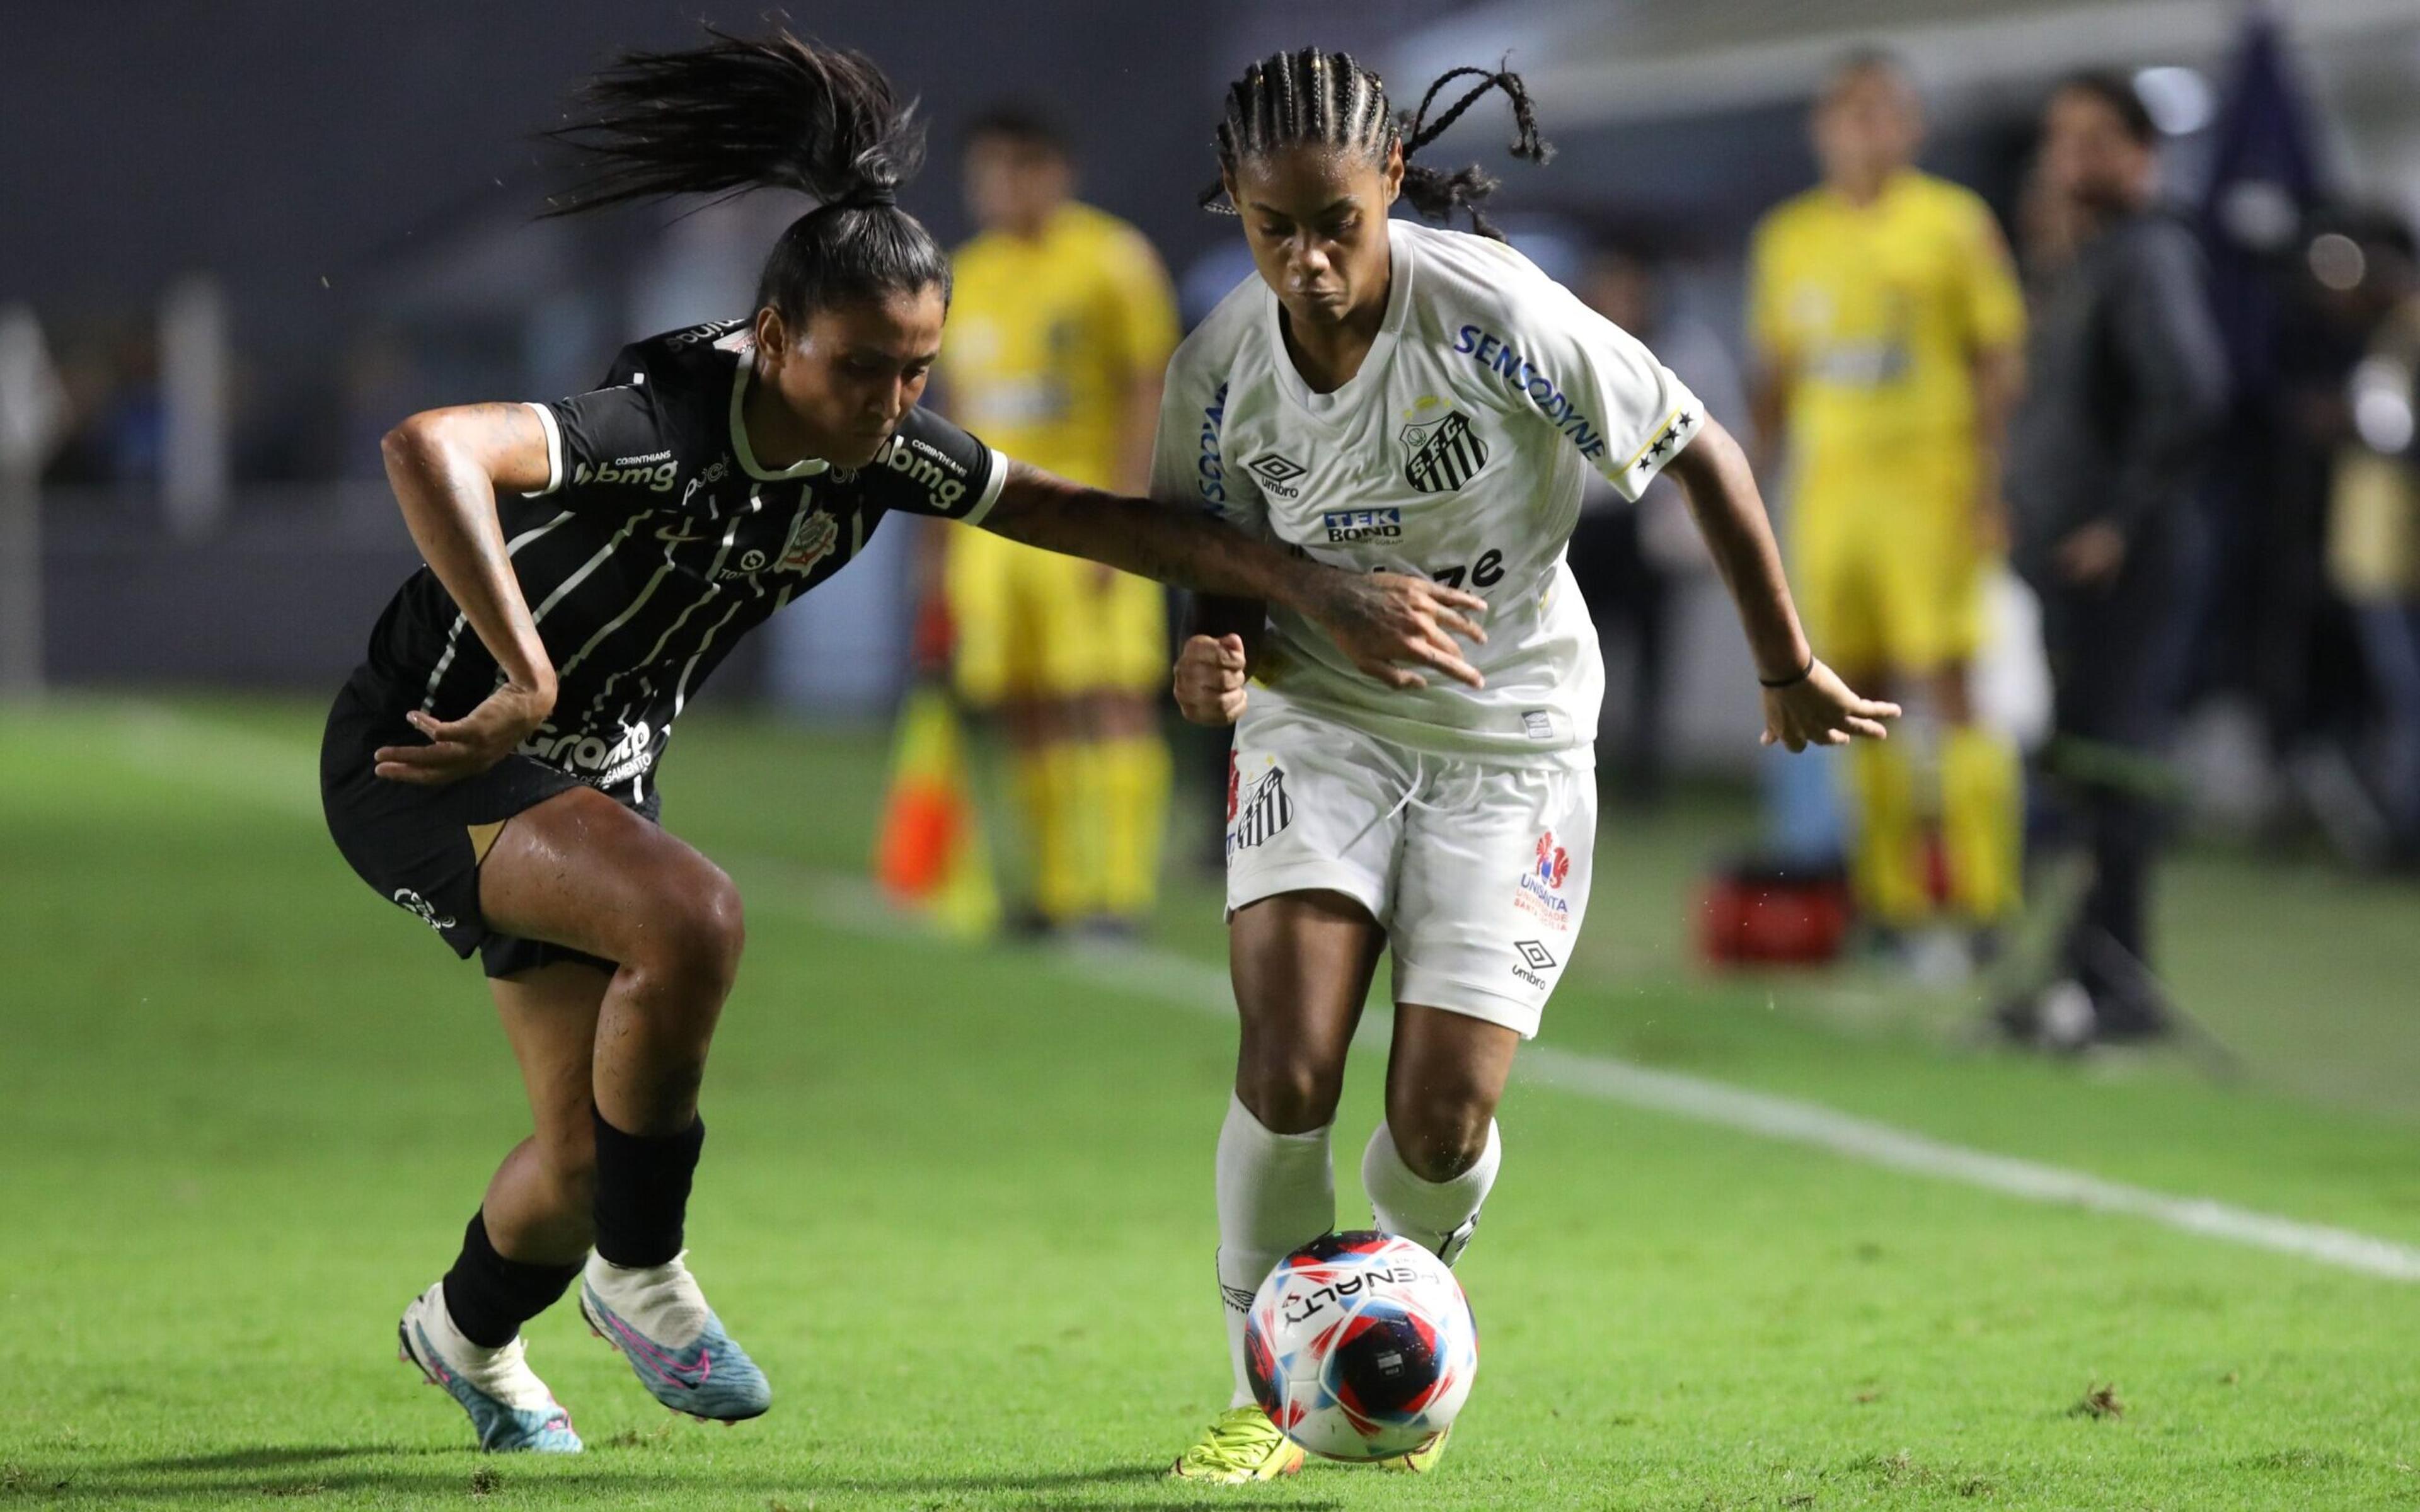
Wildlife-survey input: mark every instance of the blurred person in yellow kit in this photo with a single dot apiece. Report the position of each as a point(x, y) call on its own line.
point(1059, 333)
point(1887, 327)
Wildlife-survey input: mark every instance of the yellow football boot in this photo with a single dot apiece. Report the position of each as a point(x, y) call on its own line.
point(1240, 1446)
point(1421, 1460)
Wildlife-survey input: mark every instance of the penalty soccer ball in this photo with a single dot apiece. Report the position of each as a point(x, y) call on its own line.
point(1360, 1346)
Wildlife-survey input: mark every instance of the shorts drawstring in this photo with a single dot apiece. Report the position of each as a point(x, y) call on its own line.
point(1476, 779)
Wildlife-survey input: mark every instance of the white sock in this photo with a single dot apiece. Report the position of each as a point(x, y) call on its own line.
point(661, 1302)
point(449, 1341)
point(1277, 1193)
point(502, 1372)
point(1440, 1214)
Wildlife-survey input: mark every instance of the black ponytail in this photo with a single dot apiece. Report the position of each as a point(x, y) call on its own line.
point(772, 112)
point(1436, 193)
point(1328, 99)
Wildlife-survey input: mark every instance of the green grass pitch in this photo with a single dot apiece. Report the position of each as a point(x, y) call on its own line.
point(956, 1201)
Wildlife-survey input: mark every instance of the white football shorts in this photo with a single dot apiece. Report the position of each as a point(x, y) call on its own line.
point(1478, 871)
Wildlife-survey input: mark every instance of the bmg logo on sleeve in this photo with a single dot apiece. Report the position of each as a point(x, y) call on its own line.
point(1363, 524)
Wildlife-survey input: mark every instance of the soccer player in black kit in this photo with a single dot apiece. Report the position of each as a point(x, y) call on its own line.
point(490, 767)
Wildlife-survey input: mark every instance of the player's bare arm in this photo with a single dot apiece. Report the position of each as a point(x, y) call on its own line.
point(1805, 703)
point(1768, 409)
point(445, 466)
point(1140, 428)
point(1381, 620)
point(1998, 374)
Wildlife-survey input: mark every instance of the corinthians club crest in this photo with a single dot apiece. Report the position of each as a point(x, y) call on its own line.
point(813, 537)
point(1443, 454)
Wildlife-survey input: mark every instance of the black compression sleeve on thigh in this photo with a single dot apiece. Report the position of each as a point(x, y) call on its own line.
point(643, 1191)
point(490, 1297)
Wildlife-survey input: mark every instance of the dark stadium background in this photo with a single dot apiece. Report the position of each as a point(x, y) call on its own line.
point(1767, 1238)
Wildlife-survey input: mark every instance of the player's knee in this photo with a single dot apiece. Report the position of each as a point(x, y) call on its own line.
point(1288, 1095)
point(1440, 1141)
point(713, 930)
point(699, 933)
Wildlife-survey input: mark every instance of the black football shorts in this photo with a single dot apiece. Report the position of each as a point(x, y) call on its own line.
point(413, 844)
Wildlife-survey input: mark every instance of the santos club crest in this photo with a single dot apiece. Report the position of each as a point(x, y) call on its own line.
point(1443, 454)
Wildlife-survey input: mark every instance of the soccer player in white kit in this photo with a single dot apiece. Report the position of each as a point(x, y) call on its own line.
point(1404, 399)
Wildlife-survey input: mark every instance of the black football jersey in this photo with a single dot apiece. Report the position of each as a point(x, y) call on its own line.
point(658, 542)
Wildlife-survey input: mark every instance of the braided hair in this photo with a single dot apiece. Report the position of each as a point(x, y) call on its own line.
point(1328, 99)
point(776, 112)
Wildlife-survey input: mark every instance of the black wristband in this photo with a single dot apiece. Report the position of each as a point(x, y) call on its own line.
point(1794, 678)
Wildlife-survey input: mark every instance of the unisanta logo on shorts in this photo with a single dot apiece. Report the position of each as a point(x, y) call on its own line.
point(1363, 524)
point(927, 468)
point(1541, 888)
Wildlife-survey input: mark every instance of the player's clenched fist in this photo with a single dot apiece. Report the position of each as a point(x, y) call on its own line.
point(1210, 679)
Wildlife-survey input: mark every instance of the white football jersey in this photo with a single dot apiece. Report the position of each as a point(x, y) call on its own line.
point(1457, 452)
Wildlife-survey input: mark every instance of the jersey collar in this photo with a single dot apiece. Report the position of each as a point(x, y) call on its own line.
point(1332, 410)
point(806, 467)
point(1893, 187)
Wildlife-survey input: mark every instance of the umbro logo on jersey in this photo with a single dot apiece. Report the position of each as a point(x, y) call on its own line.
point(1363, 524)
point(1280, 475)
point(1444, 453)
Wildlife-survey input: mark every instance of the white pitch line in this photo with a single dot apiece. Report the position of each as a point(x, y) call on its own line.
point(1878, 1143)
point(248, 771)
point(1187, 982)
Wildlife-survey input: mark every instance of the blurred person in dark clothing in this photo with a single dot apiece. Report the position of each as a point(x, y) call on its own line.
point(1632, 560)
point(2371, 270)
point(2125, 391)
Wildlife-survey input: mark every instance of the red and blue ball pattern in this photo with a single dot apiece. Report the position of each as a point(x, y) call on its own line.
point(1361, 1346)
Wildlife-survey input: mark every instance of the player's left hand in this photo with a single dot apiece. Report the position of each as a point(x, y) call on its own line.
point(1818, 709)
point(1210, 676)
point(2091, 557)
point(463, 748)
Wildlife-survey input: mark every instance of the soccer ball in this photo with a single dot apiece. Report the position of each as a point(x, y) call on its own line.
point(1360, 1346)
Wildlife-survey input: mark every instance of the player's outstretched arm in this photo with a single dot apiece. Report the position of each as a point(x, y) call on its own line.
point(445, 466)
point(1381, 620)
point(1805, 703)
